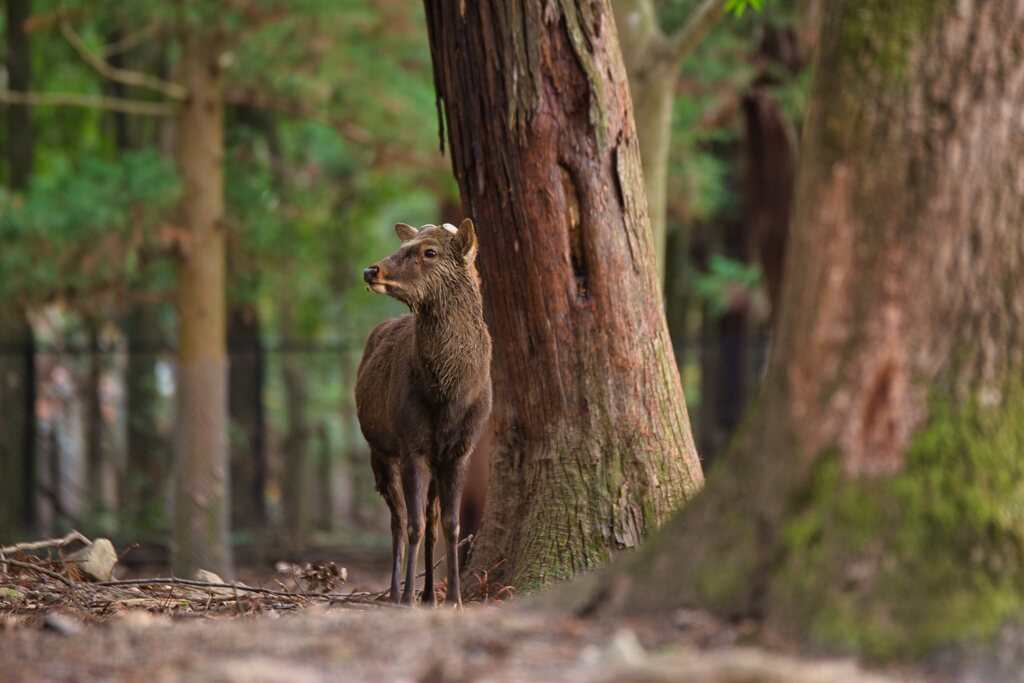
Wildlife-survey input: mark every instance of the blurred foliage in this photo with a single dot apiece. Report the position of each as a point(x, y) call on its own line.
point(725, 281)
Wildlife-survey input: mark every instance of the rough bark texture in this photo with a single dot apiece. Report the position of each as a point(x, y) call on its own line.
point(592, 446)
point(873, 497)
point(201, 500)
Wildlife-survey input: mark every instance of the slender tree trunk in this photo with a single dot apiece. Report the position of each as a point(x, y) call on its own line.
point(148, 461)
point(18, 478)
point(17, 426)
point(95, 461)
point(653, 61)
point(592, 445)
point(248, 420)
point(202, 499)
point(19, 78)
point(298, 491)
point(873, 498)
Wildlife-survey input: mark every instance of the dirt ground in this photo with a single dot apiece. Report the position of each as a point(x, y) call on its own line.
point(58, 629)
point(394, 644)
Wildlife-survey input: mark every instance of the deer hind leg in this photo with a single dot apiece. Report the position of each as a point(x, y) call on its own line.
point(389, 484)
point(415, 481)
point(451, 479)
point(428, 545)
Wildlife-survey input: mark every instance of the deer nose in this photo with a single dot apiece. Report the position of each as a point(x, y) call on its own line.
point(370, 274)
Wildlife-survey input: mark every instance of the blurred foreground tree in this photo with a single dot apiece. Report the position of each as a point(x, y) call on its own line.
point(873, 497)
point(592, 447)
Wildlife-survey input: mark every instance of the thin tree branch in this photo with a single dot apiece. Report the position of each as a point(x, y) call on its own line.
point(174, 91)
point(41, 570)
point(687, 38)
point(132, 40)
point(74, 99)
point(350, 131)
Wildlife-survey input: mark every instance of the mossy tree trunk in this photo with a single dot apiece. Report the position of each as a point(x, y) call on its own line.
point(592, 447)
point(201, 497)
point(873, 497)
point(299, 496)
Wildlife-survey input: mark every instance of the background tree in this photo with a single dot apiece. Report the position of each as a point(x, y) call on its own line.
point(871, 500)
point(592, 447)
point(653, 61)
point(17, 361)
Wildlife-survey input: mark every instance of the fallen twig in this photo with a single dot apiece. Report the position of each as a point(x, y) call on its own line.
point(198, 584)
point(69, 537)
point(36, 568)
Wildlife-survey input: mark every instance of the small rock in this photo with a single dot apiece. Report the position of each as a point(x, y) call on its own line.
point(623, 650)
point(207, 576)
point(65, 626)
point(96, 560)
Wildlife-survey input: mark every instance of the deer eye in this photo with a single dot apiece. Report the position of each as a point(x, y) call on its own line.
point(430, 253)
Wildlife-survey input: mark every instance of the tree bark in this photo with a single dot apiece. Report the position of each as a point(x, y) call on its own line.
point(872, 498)
point(202, 499)
point(592, 445)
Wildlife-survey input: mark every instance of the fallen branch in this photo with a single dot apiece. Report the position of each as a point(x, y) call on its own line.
point(198, 584)
point(36, 568)
point(69, 537)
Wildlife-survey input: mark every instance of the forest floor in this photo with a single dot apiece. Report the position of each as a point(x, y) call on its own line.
point(78, 632)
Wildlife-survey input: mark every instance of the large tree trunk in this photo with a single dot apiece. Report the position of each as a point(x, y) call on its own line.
point(17, 342)
point(873, 497)
point(592, 445)
point(201, 499)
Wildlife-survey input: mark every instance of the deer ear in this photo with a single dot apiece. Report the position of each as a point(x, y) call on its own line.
point(465, 239)
point(405, 232)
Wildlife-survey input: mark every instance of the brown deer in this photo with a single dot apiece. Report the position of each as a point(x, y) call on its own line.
point(423, 393)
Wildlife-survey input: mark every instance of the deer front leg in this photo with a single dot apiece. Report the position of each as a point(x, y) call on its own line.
point(415, 479)
point(451, 479)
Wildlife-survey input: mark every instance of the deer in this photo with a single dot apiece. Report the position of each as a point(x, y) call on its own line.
point(423, 394)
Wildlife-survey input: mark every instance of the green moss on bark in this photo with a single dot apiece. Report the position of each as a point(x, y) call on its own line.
point(888, 32)
point(896, 566)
